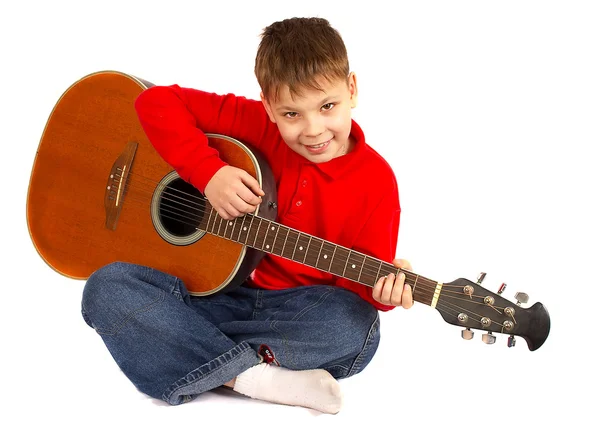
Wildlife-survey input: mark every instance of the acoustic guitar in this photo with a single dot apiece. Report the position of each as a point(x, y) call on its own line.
point(100, 193)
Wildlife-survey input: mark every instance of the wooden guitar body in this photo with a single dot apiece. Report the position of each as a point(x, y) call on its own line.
point(95, 193)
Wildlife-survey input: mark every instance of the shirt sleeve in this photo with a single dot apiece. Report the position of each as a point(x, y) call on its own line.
point(378, 238)
point(175, 120)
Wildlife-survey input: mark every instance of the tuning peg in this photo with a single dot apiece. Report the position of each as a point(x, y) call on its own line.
point(488, 338)
point(481, 277)
point(501, 288)
point(467, 334)
point(512, 341)
point(521, 298)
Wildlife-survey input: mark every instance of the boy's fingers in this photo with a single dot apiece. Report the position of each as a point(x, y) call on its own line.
point(252, 184)
point(396, 298)
point(377, 289)
point(407, 298)
point(388, 289)
point(402, 263)
point(247, 196)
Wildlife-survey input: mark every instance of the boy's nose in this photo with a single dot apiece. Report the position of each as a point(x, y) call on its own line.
point(314, 128)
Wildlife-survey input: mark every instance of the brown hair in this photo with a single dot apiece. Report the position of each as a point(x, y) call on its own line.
point(296, 52)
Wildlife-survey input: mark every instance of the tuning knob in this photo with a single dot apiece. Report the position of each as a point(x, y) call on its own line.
point(512, 341)
point(488, 338)
point(521, 298)
point(481, 277)
point(467, 334)
point(501, 288)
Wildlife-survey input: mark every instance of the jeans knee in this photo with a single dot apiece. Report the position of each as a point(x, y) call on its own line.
point(368, 349)
point(115, 293)
point(356, 336)
point(355, 315)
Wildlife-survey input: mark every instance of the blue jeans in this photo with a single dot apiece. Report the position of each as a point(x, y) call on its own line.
point(174, 346)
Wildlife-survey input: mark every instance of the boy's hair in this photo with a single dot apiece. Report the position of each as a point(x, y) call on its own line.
point(296, 53)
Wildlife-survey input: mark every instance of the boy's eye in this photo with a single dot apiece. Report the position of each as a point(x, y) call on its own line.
point(290, 114)
point(327, 106)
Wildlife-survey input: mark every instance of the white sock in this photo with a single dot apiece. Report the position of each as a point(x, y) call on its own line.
point(316, 389)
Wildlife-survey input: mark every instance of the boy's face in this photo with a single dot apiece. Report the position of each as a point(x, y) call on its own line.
point(317, 123)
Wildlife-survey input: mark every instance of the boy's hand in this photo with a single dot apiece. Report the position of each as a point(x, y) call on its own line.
point(392, 290)
point(233, 192)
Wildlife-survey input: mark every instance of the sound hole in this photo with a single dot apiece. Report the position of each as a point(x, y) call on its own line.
point(177, 209)
point(181, 208)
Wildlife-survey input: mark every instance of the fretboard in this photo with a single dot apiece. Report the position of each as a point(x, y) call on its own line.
point(274, 238)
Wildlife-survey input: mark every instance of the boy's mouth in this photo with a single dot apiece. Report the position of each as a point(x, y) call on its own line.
point(318, 148)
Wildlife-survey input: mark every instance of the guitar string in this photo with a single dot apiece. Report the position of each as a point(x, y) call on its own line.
point(195, 224)
point(418, 295)
point(370, 270)
point(476, 324)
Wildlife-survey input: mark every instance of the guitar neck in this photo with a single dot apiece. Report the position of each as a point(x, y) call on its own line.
point(274, 238)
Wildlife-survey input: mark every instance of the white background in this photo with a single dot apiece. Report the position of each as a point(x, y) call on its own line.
point(489, 114)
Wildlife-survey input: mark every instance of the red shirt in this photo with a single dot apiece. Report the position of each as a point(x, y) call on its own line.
point(351, 200)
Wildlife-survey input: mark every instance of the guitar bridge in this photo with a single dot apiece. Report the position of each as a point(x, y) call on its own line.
point(116, 185)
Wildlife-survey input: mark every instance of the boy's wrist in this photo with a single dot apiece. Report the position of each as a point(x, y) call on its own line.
point(205, 171)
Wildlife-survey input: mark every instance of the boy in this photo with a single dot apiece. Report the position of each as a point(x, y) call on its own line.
point(289, 331)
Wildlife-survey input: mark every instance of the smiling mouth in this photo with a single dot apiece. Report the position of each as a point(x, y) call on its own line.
point(321, 145)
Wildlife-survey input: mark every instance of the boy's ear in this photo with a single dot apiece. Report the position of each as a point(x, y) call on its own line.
point(353, 89)
point(267, 106)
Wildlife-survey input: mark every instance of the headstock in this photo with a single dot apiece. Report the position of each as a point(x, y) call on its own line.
point(467, 304)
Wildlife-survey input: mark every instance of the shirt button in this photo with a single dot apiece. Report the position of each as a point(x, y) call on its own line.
point(298, 203)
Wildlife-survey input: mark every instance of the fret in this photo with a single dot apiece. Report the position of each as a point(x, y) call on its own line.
point(249, 230)
point(369, 274)
point(269, 243)
point(312, 251)
point(277, 241)
point(362, 266)
point(301, 247)
point(235, 228)
point(339, 260)
point(262, 247)
point(208, 222)
point(257, 230)
point(228, 224)
point(346, 264)
point(378, 272)
point(232, 225)
point(220, 226)
point(241, 228)
point(307, 249)
point(414, 287)
point(290, 253)
point(335, 247)
point(296, 245)
point(263, 229)
point(285, 242)
point(352, 270)
point(325, 255)
point(224, 226)
point(336, 266)
point(212, 229)
point(319, 254)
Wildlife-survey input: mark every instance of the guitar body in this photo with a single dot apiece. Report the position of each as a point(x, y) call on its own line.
point(97, 189)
